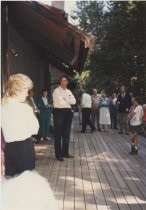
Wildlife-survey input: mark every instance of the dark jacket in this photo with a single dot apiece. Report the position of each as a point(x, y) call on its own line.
point(124, 103)
point(44, 111)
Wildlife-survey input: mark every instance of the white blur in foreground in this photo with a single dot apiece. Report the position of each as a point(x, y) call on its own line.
point(27, 191)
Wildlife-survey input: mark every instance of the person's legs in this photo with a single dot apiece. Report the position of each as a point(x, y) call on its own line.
point(125, 122)
point(134, 141)
point(58, 126)
point(88, 120)
point(97, 116)
point(84, 119)
point(115, 118)
point(42, 127)
point(47, 124)
point(93, 116)
point(120, 122)
point(66, 132)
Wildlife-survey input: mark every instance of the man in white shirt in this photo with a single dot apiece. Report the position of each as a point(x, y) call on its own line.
point(86, 103)
point(62, 101)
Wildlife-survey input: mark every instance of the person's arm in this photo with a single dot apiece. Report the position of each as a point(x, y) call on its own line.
point(32, 121)
point(70, 99)
point(40, 104)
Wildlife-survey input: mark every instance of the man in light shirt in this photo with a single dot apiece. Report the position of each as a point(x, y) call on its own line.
point(30, 101)
point(86, 103)
point(95, 107)
point(62, 101)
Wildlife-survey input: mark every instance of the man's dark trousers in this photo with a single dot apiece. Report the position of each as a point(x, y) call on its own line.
point(86, 112)
point(62, 127)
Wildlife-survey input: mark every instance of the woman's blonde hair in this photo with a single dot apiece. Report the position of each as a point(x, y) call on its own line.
point(16, 84)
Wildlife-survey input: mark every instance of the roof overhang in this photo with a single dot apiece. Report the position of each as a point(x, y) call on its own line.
point(47, 27)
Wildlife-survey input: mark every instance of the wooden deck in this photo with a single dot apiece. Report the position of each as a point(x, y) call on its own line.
point(101, 176)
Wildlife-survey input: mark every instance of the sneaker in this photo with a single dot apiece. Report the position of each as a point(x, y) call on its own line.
point(48, 138)
point(41, 139)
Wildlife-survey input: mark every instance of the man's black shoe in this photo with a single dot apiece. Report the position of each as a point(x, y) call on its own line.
point(82, 131)
point(93, 129)
point(60, 158)
point(135, 151)
point(68, 156)
point(120, 132)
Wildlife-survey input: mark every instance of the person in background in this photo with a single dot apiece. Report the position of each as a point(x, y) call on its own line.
point(86, 103)
point(136, 116)
point(113, 110)
point(95, 107)
point(78, 100)
point(104, 113)
point(144, 120)
point(18, 124)
point(30, 101)
point(62, 101)
point(44, 104)
point(124, 102)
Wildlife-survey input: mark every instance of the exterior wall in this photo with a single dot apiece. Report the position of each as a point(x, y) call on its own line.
point(55, 72)
point(22, 58)
point(55, 75)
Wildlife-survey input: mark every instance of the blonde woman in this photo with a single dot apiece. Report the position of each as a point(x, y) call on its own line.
point(18, 125)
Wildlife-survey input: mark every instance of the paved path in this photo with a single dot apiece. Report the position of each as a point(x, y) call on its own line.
point(101, 176)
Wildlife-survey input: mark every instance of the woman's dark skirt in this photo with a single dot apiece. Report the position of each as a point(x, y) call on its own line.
point(19, 157)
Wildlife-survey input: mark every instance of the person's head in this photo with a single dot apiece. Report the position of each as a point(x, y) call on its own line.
point(31, 93)
point(17, 87)
point(94, 91)
point(104, 95)
point(137, 101)
point(123, 89)
point(114, 95)
point(63, 81)
point(44, 93)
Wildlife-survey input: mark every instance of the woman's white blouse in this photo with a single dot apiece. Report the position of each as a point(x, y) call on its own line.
point(18, 121)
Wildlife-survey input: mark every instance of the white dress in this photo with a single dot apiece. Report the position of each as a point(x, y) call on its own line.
point(104, 115)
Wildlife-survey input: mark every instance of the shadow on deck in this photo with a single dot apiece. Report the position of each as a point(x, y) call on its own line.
point(102, 175)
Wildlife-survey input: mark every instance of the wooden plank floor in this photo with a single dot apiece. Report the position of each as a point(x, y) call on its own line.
point(101, 176)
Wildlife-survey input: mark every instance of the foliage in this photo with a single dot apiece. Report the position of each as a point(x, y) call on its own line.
point(118, 57)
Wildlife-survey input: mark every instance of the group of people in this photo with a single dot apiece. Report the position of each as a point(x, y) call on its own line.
point(104, 113)
point(20, 122)
point(23, 119)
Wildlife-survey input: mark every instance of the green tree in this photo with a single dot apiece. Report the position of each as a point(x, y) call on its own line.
point(118, 57)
